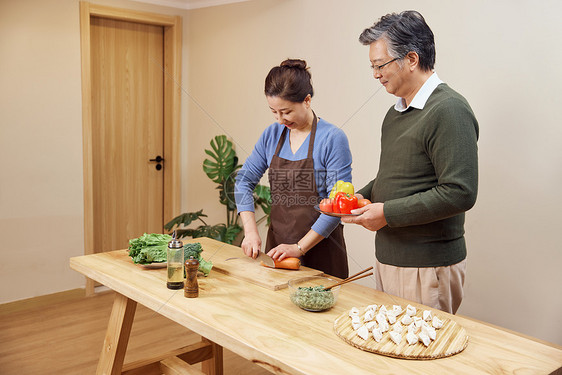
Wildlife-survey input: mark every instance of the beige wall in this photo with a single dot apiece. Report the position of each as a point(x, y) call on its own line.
point(501, 56)
point(41, 186)
point(40, 147)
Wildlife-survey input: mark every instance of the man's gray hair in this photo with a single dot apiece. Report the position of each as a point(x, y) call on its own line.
point(403, 33)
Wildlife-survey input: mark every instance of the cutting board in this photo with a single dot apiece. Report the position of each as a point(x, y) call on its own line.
point(231, 260)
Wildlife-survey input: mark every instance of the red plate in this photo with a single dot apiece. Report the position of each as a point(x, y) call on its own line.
point(317, 208)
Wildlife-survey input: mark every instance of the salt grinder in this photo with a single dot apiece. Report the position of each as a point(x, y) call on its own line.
point(191, 289)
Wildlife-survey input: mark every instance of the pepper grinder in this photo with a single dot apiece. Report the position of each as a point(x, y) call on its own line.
point(175, 263)
point(191, 289)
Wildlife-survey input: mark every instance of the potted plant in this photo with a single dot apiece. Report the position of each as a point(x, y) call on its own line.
point(221, 169)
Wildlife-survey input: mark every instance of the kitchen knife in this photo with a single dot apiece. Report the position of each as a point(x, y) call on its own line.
point(266, 259)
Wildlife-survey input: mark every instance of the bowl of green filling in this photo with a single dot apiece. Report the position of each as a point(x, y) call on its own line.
point(309, 294)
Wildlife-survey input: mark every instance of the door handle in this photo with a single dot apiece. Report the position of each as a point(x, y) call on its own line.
point(158, 159)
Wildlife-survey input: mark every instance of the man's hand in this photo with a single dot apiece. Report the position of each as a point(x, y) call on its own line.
point(372, 217)
point(251, 244)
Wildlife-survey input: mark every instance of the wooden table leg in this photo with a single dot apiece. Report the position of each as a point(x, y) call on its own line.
point(213, 366)
point(117, 336)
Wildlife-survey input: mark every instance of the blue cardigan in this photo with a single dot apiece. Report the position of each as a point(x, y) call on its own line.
point(332, 162)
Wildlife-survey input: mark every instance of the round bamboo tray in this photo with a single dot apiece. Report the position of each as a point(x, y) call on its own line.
point(450, 339)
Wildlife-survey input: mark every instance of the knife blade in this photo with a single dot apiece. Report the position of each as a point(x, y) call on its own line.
point(266, 259)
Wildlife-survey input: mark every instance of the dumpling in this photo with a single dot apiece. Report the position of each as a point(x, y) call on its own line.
point(369, 315)
point(377, 334)
point(412, 338)
point(436, 322)
point(427, 315)
point(391, 316)
point(397, 309)
point(383, 310)
point(424, 338)
point(398, 327)
point(363, 332)
point(411, 310)
point(380, 318)
point(384, 326)
point(356, 322)
point(429, 331)
point(371, 325)
point(396, 337)
point(372, 307)
point(407, 319)
point(418, 321)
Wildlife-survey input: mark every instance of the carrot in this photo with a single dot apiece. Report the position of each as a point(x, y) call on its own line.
point(287, 263)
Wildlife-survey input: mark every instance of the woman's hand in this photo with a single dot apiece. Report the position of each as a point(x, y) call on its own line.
point(283, 251)
point(371, 217)
point(251, 244)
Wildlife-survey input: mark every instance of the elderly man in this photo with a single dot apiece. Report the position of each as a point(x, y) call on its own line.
point(428, 169)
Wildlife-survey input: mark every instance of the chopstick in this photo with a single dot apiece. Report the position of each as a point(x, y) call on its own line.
point(359, 273)
point(352, 278)
point(348, 280)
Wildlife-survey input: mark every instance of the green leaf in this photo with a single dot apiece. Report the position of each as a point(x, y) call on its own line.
point(215, 232)
point(227, 194)
point(185, 219)
point(231, 233)
point(223, 159)
point(263, 192)
point(181, 233)
point(262, 198)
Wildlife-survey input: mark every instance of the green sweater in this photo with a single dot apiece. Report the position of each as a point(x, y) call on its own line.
point(427, 179)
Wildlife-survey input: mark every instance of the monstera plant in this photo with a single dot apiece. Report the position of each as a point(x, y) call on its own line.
point(221, 168)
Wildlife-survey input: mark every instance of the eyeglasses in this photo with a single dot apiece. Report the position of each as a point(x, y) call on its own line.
point(378, 68)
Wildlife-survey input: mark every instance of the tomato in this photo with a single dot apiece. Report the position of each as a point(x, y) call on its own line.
point(363, 202)
point(326, 205)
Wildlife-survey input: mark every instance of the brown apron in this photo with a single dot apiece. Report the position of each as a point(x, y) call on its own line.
point(293, 195)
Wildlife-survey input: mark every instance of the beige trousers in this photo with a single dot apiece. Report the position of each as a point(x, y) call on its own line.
point(437, 287)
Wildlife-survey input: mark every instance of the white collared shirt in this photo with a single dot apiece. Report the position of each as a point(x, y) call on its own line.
point(421, 96)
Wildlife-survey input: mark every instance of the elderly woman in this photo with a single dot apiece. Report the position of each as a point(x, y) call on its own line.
point(305, 156)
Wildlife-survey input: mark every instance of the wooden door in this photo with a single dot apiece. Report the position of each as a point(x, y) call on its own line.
point(127, 83)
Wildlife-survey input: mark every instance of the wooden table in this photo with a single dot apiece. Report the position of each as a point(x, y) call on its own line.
point(263, 326)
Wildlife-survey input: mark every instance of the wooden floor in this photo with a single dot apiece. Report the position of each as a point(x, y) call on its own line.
point(66, 337)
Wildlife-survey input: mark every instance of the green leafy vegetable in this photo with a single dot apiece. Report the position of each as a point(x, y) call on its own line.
point(152, 248)
point(194, 250)
point(313, 298)
point(149, 248)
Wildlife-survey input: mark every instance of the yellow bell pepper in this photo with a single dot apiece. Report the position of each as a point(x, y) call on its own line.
point(341, 185)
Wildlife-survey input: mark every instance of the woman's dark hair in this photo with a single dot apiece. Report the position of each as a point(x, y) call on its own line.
point(290, 81)
point(403, 33)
